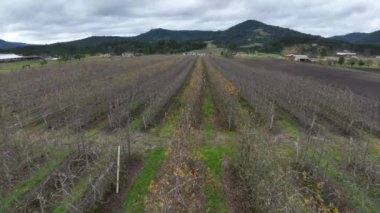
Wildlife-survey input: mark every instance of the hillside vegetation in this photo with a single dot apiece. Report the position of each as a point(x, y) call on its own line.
point(360, 38)
point(248, 36)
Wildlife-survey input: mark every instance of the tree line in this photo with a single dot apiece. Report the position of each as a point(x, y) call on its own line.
point(115, 48)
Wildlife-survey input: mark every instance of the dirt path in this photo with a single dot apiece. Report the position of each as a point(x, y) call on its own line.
point(114, 202)
point(179, 183)
point(235, 196)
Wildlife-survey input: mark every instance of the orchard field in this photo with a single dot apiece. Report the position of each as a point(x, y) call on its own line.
point(197, 134)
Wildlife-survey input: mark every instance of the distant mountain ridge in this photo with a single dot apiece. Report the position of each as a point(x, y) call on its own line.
point(247, 33)
point(250, 35)
point(10, 45)
point(252, 30)
point(96, 40)
point(360, 38)
point(179, 35)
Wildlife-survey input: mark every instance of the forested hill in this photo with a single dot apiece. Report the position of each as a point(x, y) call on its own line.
point(10, 45)
point(360, 38)
point(115, 47)
point(250, 35)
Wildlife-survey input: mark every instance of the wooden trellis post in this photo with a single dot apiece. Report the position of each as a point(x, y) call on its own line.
point(118, 169)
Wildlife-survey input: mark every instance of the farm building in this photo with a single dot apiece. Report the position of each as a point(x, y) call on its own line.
point(189, 53)
point(128, 54)
point(300, 58)
point(14, 57)
point(50, 58)
point(104, 55)
point(346, 53)
point(195, 53)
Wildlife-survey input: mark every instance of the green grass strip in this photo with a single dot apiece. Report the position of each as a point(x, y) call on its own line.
point(136, 124)
point(17, 66)
point(208, 110)
point(28, 185)
point(212, 158)
point(135, 199)
point(167, 129)
point(289, 128)
point(60, 209)
point(94, 131)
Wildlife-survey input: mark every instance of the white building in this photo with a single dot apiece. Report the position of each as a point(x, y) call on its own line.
point(301, 58)
point(195, 53)
point(346, 53)
point(9, 56)
point(128, 54)
point(14, 57)
point(190, 53)
point(105, 55)
point(49, 58)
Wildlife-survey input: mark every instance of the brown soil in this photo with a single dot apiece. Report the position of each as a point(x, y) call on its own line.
point(219, 122)
point(114, 202)
point(362, 83)
point(179, 185)
point(236, 198)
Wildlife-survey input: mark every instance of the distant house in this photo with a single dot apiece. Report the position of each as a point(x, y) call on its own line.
point(241, 54)
point(49, 58)
point(378, 56)
point(105, 55)
point(346, 53)
point(128, 54)
point(190, 53)
point(299, 58)
point(195, 53)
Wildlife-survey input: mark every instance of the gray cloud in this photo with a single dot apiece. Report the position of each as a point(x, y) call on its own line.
point(41, 21)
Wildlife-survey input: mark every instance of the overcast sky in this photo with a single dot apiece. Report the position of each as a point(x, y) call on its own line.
point(48, 21)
